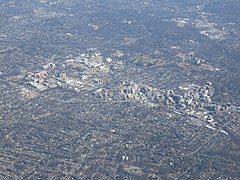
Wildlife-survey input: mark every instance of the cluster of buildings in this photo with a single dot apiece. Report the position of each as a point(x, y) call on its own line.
point(192, 100)
point(88, 70)
point(93, 60)
point(141, 93)
point(197, 103)
point(197, 96)
point(129, 90)
point(41, 80)
point(210, 29)
point(191, 97)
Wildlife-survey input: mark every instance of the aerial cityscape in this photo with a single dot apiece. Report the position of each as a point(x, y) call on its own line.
point(119, 89)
